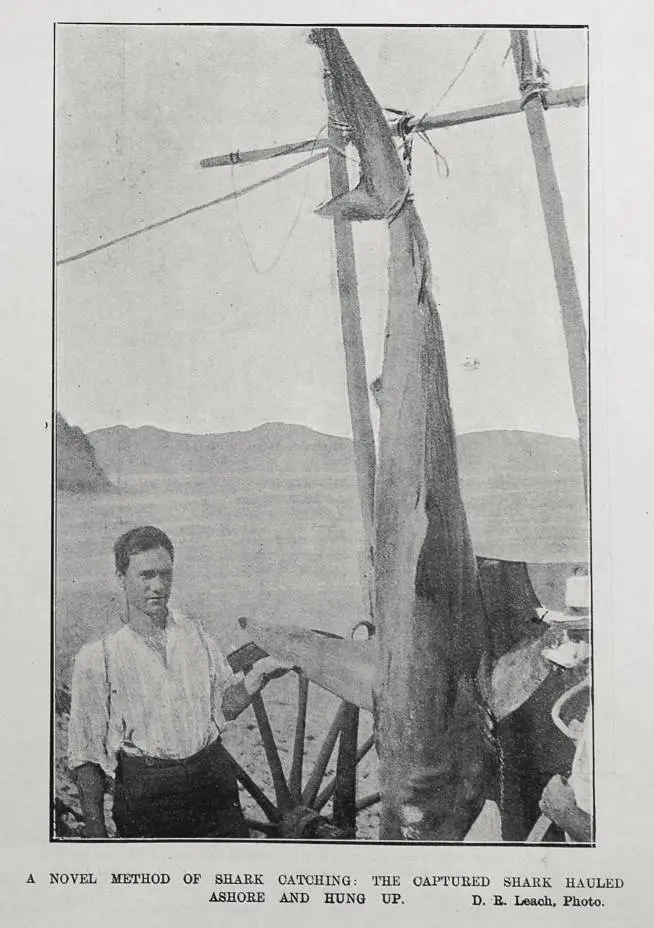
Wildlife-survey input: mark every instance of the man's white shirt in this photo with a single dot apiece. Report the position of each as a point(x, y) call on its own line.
point(126, 694)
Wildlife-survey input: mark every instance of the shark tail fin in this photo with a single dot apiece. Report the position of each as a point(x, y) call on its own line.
point(357, 205)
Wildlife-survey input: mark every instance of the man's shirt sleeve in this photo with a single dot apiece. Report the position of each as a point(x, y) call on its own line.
point(222, 679)
point(581, 777)
point(89, 711)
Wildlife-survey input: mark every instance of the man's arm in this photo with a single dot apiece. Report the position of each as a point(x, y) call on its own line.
point(87, 736)
point(559, 805)
point(90, 781)
point(516, 676)
point(518, 673)
point(238, 696)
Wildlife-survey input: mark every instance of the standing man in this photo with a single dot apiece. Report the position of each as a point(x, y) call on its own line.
point(149, 703)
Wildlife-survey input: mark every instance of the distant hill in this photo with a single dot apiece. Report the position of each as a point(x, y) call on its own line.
point(524, 496)
point(522, 490)
point(77, 468)
point(276, 447)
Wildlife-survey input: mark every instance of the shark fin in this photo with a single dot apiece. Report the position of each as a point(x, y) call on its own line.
point(357, 205)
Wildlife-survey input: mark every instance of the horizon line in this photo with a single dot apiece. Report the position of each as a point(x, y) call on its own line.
point(277, 422)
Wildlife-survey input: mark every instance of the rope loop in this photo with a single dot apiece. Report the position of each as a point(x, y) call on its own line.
point(409, 128)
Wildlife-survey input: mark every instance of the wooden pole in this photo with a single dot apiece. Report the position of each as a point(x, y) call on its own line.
point(572, 316)
point(568, 96)
point(355, 358)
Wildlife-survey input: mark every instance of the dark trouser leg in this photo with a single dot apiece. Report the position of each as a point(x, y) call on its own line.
point(195, 798)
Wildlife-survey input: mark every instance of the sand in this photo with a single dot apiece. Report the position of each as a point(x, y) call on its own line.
point(282, 549)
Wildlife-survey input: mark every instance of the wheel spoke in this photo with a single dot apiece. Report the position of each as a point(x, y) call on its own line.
point(291, 800)
point(365, 748)
point(255, 791)
point(325, 795)
point(368, 801)
point(345, 813)
point(327, 792)
point(282, 794)
point(268, 828)
point(295, 776)
point(318, 772)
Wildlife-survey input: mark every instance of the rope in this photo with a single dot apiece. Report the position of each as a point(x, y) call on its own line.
point(540, 64)
point(343, 127)
point(541, 71)
point(441, 160)
point(194, 209)
point(536, 84)
point(535, 87)
point(273, 264)
point(506, 55)
point(407, 134)
point(461, 72)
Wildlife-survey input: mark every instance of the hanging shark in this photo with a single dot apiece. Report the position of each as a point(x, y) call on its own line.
point(433, 689)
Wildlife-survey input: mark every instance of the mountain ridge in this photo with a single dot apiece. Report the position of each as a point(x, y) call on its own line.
point(78, 470)
point(280, 446)
point(522, 491)
point(131, 447)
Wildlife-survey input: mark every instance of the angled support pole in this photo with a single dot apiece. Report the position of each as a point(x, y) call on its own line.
point(574, 326)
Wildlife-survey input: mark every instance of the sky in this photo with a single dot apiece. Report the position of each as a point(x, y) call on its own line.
point(230, 318)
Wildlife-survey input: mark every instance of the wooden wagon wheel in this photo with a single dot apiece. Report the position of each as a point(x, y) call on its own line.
point(296, 811)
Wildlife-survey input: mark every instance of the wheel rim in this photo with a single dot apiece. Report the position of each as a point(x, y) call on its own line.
point(297, 808)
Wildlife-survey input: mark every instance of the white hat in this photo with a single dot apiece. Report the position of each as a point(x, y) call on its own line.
point(577, 604)
point(577, 592)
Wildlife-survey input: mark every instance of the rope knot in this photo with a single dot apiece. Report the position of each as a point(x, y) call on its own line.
point(344, 128)
point(536, 86)
point(408, 127)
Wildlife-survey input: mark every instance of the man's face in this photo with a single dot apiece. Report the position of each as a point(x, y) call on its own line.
point(148, 581)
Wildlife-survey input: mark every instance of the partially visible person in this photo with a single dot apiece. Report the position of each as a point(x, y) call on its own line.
point(149, 703)
point(569, 807)
point(569, 802)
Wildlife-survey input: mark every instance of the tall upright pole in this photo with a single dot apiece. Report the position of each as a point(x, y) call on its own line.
point(355, 359)
point(574, 326)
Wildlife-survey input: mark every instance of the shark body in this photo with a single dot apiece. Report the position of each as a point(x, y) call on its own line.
point(438, 760)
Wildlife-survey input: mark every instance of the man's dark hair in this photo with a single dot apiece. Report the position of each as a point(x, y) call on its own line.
point(144, 538)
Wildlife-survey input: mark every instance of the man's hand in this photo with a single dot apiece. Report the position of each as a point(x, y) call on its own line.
point(558, 804)
point(268, 668)
point(90, 781)
point(238, 697)
point(558, 798)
